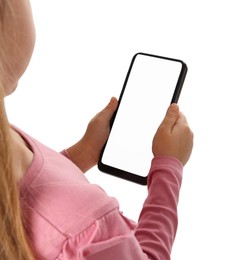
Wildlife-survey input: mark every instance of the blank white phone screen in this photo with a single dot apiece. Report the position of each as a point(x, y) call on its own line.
point(148, 93)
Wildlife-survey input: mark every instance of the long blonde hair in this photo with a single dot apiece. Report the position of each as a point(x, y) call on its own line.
point(13, 239)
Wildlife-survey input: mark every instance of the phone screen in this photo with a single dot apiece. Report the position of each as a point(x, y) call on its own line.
point(151, 84)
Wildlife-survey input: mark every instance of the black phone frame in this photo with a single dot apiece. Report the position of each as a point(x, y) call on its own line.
point(176, 94)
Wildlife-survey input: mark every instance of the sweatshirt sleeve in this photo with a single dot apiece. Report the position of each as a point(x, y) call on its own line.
point(158, 221)
point(65, 154)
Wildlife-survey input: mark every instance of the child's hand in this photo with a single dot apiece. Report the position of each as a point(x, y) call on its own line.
point(86, 152)
point(173, 137)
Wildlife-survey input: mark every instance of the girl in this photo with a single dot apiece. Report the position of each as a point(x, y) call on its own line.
point(48, 209)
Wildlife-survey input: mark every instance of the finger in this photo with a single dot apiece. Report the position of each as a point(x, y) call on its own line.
point(171, 116)
point(181, 119)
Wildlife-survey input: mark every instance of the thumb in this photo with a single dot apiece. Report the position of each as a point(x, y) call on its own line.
point(171, 117)
point(110, 108)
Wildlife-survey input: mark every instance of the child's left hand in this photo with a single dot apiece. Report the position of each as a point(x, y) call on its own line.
point(86, 152)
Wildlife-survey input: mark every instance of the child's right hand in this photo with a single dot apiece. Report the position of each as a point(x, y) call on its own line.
point(174, 136)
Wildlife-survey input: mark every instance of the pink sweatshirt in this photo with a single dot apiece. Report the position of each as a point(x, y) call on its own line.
point(68, 218)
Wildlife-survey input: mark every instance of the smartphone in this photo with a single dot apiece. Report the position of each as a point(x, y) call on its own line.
point(152, 83)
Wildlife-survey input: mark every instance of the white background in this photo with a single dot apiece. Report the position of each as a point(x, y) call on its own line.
point(81, 58)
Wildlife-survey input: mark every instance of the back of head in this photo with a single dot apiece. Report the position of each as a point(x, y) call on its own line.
point(13, 239)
